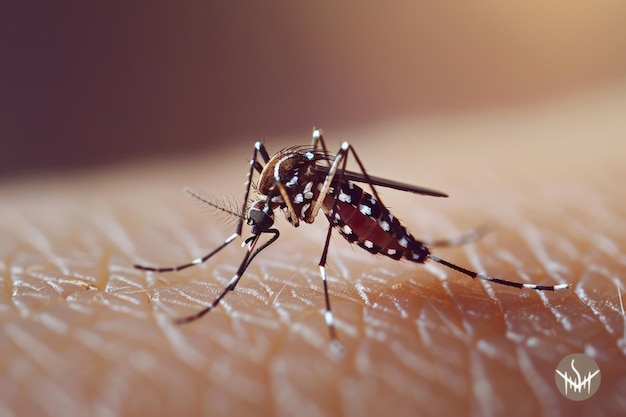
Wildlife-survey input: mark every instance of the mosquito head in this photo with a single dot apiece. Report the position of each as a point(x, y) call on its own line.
point(260, 217)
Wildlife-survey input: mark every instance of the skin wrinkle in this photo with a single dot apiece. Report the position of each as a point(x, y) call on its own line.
point(265, 350)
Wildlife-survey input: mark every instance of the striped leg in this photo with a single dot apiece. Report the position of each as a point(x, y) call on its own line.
point(328, 314)
point(521, 285)
point(318, 142)
point(250, 254)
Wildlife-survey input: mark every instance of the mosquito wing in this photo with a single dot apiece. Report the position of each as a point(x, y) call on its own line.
point(383, 182)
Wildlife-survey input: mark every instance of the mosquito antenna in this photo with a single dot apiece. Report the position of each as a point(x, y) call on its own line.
point(498, 280)
point(229, 207)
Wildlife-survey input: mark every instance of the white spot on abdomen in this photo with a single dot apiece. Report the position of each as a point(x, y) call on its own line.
point(344, 197)
point(365, 210)
point(304, 209)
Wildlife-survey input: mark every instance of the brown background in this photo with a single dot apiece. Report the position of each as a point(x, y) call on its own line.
point(516, 111)
point(85, 84)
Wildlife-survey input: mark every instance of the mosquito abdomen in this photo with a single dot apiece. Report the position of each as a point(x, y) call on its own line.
point(361, 219)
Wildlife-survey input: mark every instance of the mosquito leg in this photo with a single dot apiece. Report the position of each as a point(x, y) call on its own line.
point(318, 142)
point(261, 148)
point(254, 165)
point(250, 255)
point(339, 159)
point(498, 280)
point(366, 175)
point(328, 315)
point(192, 263)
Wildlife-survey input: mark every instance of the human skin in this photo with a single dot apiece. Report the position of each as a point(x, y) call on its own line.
point(84, 333)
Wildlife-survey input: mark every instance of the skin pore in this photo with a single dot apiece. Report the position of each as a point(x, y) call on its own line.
point(84, 333)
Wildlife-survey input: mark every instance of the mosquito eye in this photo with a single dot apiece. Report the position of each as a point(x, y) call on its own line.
point(259, 220)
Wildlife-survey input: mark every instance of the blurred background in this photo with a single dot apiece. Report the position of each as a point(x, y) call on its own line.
point(87, 84)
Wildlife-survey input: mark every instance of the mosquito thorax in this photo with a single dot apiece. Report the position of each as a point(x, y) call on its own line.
point(286, 167)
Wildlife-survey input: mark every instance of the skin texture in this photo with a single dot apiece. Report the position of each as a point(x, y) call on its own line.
point(83, 333)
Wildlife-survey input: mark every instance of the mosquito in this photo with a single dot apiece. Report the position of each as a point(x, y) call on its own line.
point(302, 180)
